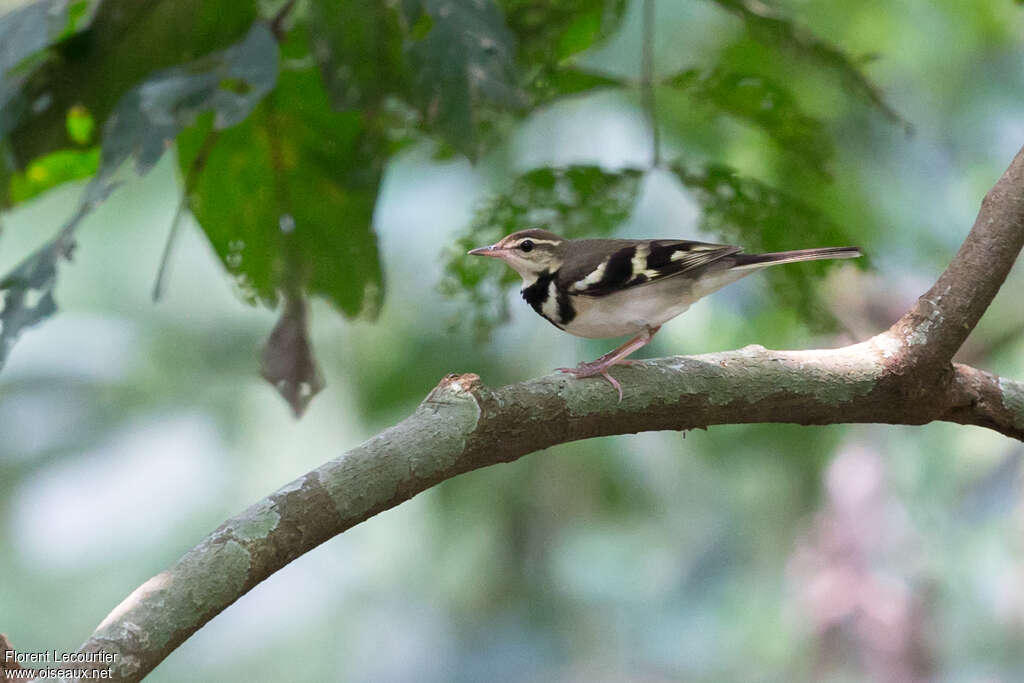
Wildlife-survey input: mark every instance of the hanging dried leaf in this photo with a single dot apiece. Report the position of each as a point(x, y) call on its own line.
point(288, 362)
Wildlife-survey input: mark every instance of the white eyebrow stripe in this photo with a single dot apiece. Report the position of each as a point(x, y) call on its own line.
point(537, 241)
point(592, 279)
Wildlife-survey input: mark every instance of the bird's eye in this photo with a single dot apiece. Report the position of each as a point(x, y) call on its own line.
point(526, 245)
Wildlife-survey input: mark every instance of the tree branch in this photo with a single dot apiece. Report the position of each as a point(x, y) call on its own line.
point(900, 376)
point(940, 322)
point(463, 425)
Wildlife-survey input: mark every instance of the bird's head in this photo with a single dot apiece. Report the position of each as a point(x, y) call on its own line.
point(531, 253)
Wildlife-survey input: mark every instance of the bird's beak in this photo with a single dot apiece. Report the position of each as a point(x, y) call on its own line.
point(493, 250)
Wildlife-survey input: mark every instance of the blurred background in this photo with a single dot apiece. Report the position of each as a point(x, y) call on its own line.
point(738, 553)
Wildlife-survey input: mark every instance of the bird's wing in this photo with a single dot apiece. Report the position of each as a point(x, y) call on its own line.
point(637, 263)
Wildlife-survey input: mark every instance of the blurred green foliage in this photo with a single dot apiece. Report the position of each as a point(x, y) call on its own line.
point(286, 195)
point(124, 43)
point(765, 104)
point(550, 34)
point(772, 28)
point(360, 51)
point(751, 213)
point(137, 132)
point(462, 56)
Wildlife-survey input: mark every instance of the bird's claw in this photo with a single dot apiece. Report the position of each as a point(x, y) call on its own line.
point(593, 370)
point(615, 383)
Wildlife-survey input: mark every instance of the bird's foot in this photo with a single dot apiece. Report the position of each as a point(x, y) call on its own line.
point(616, 357)
point(594, 369)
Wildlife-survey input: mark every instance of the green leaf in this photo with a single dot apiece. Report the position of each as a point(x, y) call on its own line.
point(79, 15)
point(358, 45)
point(51, 170)
point(287, 198)
point(125, 42)
point(573, 201)
point(554, 31)
point(80, 124)
point(465, 59)
point(763, 103)
point(551, 33)
point(770, 28)
point(758, 217)
point(550, 84)
point(580, 34)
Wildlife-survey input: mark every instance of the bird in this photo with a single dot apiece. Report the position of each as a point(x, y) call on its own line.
point(606, 288)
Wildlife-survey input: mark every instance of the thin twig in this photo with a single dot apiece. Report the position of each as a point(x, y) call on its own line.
point(198, 164)
point(277, 23)
point(648, 81)
point(165, 258)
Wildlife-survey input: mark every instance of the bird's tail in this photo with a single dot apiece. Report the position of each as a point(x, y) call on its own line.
point(760, 260)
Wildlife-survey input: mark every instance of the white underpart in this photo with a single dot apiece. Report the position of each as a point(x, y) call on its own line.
point(632, 310)
point(550, 307)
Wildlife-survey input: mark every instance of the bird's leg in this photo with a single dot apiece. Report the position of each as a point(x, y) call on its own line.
point(614, 357)
point(617, 356)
